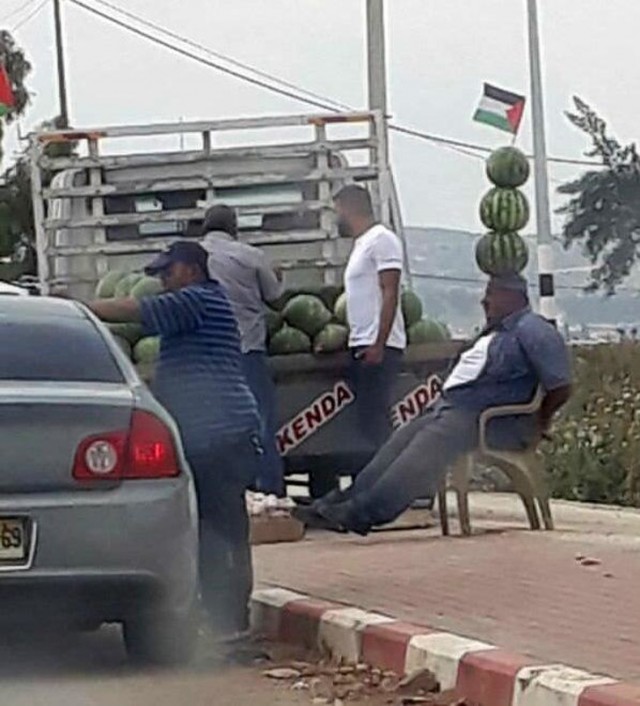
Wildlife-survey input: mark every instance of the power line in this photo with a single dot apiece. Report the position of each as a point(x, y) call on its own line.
point(30, 16)
point(201, 60)
point(18, 10)
point(477, 283)
point(337, 106)
point(292, 90)
point(219, 55)
point(482, 148)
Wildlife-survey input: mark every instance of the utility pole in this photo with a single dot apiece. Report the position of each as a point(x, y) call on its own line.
point(376, 56)
point(377, 87)
point(62, 76)
point(543, 215)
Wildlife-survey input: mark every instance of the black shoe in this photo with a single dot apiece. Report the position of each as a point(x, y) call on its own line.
point(342, 515)
point(314, 520)
point(423, 504)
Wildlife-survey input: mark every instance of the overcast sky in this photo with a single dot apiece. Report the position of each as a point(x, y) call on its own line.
point(439, 53)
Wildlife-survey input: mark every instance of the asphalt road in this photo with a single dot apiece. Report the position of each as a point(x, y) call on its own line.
point(91, 670)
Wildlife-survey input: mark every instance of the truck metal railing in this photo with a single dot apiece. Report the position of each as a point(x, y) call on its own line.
point(73, 218)
point(151, 186)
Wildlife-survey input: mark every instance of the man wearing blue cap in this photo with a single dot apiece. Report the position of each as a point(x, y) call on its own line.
point(516, 352)
point(200, 381)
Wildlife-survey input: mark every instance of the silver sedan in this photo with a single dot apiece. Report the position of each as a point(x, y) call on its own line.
point(98, 520)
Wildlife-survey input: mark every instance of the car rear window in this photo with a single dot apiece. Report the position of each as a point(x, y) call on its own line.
point(60, 350)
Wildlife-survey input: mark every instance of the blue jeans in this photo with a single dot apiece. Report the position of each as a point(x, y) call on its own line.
point(411, 464)
point(271, 471)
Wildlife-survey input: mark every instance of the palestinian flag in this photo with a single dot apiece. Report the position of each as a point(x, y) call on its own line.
point(7, 99)
point(500, 109)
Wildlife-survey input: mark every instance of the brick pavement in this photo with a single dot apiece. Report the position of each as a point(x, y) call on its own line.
point(523, 591)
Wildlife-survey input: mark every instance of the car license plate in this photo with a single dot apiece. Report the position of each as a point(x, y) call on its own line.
point(13, 543)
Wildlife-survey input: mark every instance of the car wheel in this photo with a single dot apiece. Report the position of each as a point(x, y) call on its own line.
point(166, 639)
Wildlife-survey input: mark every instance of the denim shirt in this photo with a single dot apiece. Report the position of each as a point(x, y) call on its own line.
point(505, 365)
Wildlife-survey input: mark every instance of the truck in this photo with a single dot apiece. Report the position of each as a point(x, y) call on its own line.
point(125, 192)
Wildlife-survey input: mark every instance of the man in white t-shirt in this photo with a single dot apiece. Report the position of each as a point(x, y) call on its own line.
point(377, 337)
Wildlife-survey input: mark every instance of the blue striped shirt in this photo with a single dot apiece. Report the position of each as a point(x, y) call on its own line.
point(199, 377)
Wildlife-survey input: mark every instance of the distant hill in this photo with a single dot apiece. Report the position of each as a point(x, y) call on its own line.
point(450, 284)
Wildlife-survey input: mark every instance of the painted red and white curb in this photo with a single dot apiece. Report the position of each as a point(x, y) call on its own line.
point(483, 674)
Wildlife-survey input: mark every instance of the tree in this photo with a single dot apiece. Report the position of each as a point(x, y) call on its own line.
point(18, 68)
point(16, 211)
point(15, 200)
point(603, 212)
point(17, 228)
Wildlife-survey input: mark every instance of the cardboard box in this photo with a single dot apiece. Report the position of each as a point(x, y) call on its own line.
point(272, 529)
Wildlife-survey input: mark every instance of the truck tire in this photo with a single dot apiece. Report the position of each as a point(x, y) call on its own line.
point(163, 639)
point(322, 481)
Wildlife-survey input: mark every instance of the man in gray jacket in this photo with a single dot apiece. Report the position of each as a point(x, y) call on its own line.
point(251, 283)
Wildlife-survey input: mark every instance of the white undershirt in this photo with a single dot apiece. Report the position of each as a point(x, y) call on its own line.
point(471, 363)
point(373, 252)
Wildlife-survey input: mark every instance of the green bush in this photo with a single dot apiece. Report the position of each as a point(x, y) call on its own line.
point(595, 447)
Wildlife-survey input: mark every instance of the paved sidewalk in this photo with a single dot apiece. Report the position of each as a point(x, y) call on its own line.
point(526, 592)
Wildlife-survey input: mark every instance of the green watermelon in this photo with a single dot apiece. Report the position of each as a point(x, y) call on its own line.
point(147, 350)
point(504, 210)
point(427, 331)
point(280, 303)
point(445, 330)
point(274, 321)
point(289, 340)
point(508, 167)
point(125, 345)
point(501, 253)
point(411, 307)
point(126, 284)
point(107, 285)
point(307, 313)
point(146, 287)
point(332, 338)
point(340, 309)
point(329, 295)
point(130, 332)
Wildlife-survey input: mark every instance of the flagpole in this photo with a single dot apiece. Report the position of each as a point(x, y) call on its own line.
point(543, 215)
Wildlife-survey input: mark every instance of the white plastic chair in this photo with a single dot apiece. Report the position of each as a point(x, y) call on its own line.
point(524, 468)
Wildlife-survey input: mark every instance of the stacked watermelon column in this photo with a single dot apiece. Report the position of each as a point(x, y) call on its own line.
point(504, 210)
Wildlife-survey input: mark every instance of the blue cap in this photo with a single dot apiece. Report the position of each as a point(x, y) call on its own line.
point(510, 283)
point(186, 251)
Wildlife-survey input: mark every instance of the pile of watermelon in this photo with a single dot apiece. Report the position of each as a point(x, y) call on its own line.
point(315, 321)
point(117, 284)
point(504, 210)
point(301, 321)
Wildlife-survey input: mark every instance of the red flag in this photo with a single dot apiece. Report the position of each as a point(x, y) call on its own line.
point(7, 99)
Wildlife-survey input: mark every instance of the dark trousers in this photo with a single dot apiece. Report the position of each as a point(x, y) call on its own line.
point(271, 470)
point(373, 387)
point(222, 476)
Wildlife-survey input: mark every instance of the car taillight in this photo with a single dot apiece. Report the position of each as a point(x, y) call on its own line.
point(101, 457)
point(151, 451)
point(146, 450)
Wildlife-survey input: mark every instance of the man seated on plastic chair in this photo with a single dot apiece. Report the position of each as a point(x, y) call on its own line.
point(516, 352)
